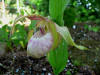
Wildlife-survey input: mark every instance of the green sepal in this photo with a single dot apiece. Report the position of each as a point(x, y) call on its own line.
point(64, 32)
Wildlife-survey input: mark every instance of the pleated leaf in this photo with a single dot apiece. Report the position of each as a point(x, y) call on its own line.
point(58, 57)
point(56, 10)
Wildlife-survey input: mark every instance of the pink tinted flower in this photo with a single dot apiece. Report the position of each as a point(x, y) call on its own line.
point(39, 44)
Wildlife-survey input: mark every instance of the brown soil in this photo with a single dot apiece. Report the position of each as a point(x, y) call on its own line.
point(18, 63)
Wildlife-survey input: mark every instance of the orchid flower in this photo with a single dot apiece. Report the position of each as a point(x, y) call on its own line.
point(47, 37)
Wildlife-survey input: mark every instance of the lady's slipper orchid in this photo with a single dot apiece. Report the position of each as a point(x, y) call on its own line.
point(48, 37)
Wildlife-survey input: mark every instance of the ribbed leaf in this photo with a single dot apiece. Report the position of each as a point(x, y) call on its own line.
point(58, 57)
point(56, 10)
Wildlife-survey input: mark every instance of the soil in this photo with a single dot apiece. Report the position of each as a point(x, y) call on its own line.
point(18, 63)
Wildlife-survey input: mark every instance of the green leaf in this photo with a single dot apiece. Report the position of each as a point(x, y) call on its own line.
point(58, 57)
point(32, 26)
point(56, 10)
point(22, 44)
point(4, 33)
point(68, 73)
point(19, 37)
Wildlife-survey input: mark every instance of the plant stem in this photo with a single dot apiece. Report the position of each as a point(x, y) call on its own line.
point(18, 7)
point(3, 10)
point(3, 7)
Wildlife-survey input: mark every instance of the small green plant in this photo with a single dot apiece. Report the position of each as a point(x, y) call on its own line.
point(92, 28)
point(69, 16)
point(68, 73)
point(19, 37)
point(4, 33)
